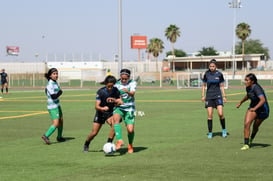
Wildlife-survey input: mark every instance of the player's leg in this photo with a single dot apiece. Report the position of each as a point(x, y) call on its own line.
point(255, 129)
point(117, 127)
point(130, 122)
point(249, 117)
point(222, 120)
point(95, 130)
point(2, 88)
point(7, 89)
point(111, 136)
point(54, 114)
point(60, 127)
point(209, 122)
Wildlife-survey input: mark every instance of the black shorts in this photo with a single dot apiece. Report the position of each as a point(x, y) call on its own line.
point(213, 102)
point(262, 113)
point(4, 82)
point(101, 117)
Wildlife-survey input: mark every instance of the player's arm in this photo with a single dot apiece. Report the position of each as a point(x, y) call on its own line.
point(222, 86)
point(116, 101)
point(58, 94)
point(132, 91)
point(50, 90)
point(203, 91)
point(245, 98)
point(99, 108)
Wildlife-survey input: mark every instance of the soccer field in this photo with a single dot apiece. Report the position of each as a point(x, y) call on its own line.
point(170, 140)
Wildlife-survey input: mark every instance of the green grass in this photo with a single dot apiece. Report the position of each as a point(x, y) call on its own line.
point(170, 141)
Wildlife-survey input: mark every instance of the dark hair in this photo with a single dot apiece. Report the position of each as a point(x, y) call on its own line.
point(252, 77)
point(212, 61)
point(109, 79)
point(125, 72)
point(50, 71)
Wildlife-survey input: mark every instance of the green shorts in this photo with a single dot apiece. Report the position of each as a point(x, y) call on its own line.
point(55, 113)
point(127, 116)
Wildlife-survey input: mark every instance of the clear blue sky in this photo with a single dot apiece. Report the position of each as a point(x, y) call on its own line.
point(91, 26)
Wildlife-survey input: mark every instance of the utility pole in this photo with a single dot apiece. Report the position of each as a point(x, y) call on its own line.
point(235, 4)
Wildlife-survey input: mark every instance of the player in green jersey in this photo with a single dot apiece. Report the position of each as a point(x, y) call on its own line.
point(127, 88)
point(53, 92)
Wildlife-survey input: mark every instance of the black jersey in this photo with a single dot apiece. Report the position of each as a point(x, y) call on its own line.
point(213, 81)
point(103, 94)
point(253, 94)
point(4, 76)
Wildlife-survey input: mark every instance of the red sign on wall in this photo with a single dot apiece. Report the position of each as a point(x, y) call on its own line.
point(12, 50)
point(139, 42)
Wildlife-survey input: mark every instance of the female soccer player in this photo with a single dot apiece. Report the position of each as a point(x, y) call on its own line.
point(215, 96)
point(127, 88)
point(258, 109)
point(4, 81)
point(53, 92)
point(106, 99)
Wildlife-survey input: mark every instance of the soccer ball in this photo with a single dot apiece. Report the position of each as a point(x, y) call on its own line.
point(109, 148)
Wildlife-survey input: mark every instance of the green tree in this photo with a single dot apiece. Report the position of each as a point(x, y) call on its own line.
point(207, 51)
point(177, 53)
point(172, 33)
point(155, 47)
point(242, 32)
point(252, 47)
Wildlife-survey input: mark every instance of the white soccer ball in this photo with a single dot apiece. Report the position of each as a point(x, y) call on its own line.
point(109, 148)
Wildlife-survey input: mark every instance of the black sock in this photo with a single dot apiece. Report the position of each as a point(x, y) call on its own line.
point(87, 143)
point(246, 141)
point(253, 135)
point(223, 123)
point(109, 140)
point(2, 90)
point(210, 125)
point(7, 90)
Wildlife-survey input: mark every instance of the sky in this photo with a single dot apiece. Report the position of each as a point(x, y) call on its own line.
point(89, 28)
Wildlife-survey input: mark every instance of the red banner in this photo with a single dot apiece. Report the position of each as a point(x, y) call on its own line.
point(13, 50)
point(139, 42)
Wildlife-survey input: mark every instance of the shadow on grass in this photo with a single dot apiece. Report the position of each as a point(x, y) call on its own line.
point(66, 140)
point(261, 145)
point(123, 151)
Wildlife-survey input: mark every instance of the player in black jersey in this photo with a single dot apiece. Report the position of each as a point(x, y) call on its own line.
point(4, 81)
point(106, 99)
point(215, 97)
point(258, 109)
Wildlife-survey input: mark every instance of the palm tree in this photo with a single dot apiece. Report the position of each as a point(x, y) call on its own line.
point(243, 31)
point(172, 33)
point(155, 47)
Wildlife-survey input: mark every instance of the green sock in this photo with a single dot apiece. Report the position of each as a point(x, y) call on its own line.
point(50, 131)
point(60, 132)
point(117, 129)
point(131, 137)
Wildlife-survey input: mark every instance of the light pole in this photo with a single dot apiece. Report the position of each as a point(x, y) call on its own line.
point(235, 4)
point(120, 36)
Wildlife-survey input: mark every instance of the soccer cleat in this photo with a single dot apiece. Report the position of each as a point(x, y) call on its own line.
point(224, 133)
point(85, 148)
point(61, 139)
point(119, 144)
point(209, 135)
point(130, 148)
point(46, 139)
point(245, 147)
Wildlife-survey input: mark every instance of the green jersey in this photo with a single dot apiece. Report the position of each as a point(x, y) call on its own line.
point(52, 88)
point(129, 101)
